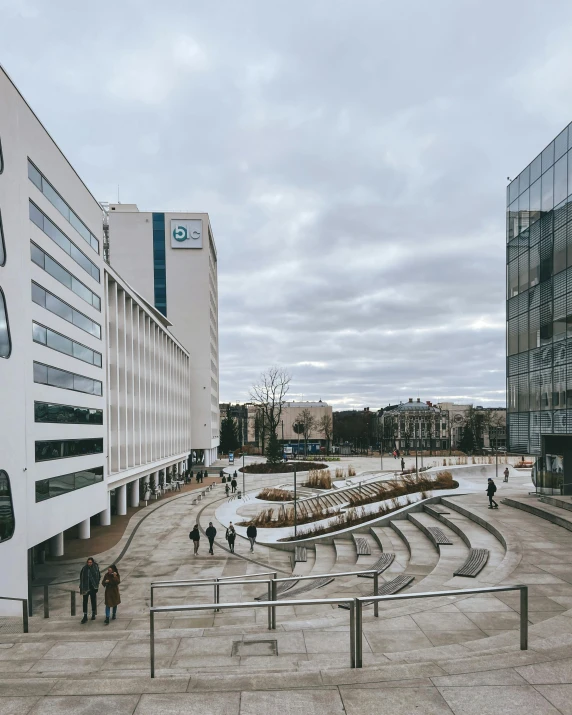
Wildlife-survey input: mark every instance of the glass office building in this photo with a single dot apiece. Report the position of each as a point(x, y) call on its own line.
point(539, 314)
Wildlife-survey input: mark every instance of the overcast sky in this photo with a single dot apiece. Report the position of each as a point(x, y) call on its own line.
point(352, 156)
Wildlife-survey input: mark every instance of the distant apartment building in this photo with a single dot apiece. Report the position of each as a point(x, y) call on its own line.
point(170, 258)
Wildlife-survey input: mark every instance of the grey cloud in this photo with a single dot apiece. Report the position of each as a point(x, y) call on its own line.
point(352, 157)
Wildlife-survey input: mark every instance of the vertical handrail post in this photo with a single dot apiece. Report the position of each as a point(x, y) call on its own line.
point(353, 633)
point(152, 590)
point(358, 634)
point(274, 598)
point(270, 607)
point(72, 604)
point(524, 618)
point(152, 640)
point(46, 601)
point(217, 595)
point(25, 615)
point(376, 593)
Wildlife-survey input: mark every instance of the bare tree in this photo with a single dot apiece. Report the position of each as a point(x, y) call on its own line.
point(268, 394)
point(325, 427)
point(308, 423)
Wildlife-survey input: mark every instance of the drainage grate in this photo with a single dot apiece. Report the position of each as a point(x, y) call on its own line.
point(245, 648)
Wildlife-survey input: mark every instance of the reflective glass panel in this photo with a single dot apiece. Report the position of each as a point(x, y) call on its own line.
point(7, 519)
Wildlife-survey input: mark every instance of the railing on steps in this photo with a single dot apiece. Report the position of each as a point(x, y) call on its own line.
point(46, 599)
point(355, 605)
point(24, 602)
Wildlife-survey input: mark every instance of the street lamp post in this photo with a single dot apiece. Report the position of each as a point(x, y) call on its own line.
point(295, 512)
point(243, 478)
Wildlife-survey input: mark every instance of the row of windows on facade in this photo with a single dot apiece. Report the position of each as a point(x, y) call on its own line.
point(55, 305)
point(540, 327)
point(56, 341)
point(46, 450)
point(56, 413)
point(544, 358)
point(526, 429)
point(540, 164)
point(542, 232)
point(40, 181)
point(55, 377)
point(66, 483)
point(66, 244)
point(539, 391)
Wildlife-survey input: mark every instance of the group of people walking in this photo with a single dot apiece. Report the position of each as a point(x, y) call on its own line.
point(89, 586)
point(230, 536)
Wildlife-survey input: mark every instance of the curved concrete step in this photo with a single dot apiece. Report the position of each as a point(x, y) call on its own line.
point(423, 555)
point(303, 568)
point(532, 504)
point(346, 555)
point(325, 558)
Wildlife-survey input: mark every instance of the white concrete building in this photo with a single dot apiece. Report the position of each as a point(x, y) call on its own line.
point(94, 385)
point(171, 259)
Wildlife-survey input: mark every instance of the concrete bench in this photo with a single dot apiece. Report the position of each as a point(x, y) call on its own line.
point(388, 589)
point(384, 562)
point(300, 554)
point(438, 536)
point(362, 546)
point(475, 563)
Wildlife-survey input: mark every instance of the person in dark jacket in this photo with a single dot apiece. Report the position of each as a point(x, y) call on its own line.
point(233, 484)
point(251, 532)
point(211, 533)
point(491, 489)
point(221, 474)
point(402, 464)
point(231, 537)
point(88, 587)
point(195, 537)
point(227, 489)
point(111, 583)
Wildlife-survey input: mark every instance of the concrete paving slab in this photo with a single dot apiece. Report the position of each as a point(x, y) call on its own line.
point(559, 671)
point(17, 706)
point(309, 702)
point(396, 641)
point(254, 681)
point(129, 685)
point(183, 704)
point(559, 695)
point(506, 676)
point(492, 700)
point(28, 686)
point(85, 705)
point(72, 650)
point(393, 701)
point(66, 667)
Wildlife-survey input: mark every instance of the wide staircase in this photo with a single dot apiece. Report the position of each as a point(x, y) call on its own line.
point(427, 649)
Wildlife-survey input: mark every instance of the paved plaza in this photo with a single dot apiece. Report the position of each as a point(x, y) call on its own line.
point(444, 655)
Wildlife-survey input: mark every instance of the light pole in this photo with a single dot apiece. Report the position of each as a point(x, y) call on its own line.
point(243, 478)
point(295, 512)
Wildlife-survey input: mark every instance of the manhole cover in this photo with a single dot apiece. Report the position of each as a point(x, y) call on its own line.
point(244, 648)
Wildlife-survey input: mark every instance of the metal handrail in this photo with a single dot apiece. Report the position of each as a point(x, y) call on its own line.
point(359, 603)
point(46, 599)
point(24, 602)
point(254, 604)
point(216, 582)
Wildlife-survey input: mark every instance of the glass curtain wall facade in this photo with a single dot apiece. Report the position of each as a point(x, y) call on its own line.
point(539, 303)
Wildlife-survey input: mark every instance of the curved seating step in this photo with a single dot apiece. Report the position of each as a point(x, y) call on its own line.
point(475, 563)
point(346, 555)
point(304, 568)
point(434, 533)
point(544, 510)
point(383, 563)
point(423, 554)
point(387, 589)
point(362, 545)
point(310, 585)
point(281, 588)
point(559, 501)
point(300, 554)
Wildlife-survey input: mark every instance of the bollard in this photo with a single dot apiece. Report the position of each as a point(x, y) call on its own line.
point(72, 605)
point(524, 618)
point(25, 615)
point(46, 602)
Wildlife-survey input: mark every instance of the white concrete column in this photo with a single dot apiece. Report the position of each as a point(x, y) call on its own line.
point(134, 495)
point(121, 500)
point(57, 544)
point(84, 529)
point(207, 458)
point(105, 515)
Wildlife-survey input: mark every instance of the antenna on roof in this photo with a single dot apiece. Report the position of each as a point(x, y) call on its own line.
point(118, 201)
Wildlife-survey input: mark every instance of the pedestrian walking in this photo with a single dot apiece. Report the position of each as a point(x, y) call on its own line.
point(402, 464)
point(89, 586)
point(491, 489)
point(251, 532)
point(110, 582)
point(227, 489)
point(233, 484)
point(231, 537)
point(506, 473)
point(221, 475)
point(394, 454)
point(211, 533)
point(195, 537)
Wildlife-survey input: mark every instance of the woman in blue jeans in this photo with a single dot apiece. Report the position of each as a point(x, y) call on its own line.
point(111, 582)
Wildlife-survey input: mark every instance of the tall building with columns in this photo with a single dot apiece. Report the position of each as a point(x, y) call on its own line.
point(95, 383)
point(171, 260)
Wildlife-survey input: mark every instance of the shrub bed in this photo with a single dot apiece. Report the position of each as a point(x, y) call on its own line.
point(273, 494)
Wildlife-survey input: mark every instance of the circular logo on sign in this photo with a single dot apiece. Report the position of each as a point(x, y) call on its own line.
point(195, 235)
point(180, 233)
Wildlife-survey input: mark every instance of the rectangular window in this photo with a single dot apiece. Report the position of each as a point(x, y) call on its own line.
point(59, 342)
point(160, 277)
point(560, 180)
point(40, 181)
point(63, 276)
point(55, 377)
point(46, 450)
point(58, 486)
point(55, 305)
point(59, 237)
point(547, 202)
point(66, 414)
